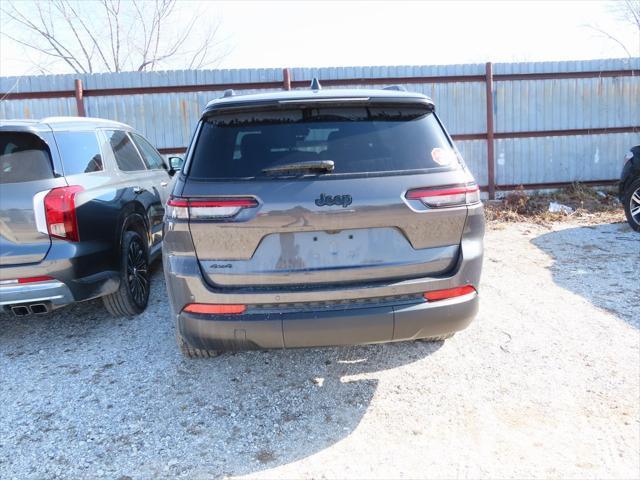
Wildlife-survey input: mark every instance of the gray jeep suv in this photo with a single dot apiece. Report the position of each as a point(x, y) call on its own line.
point(321, 217)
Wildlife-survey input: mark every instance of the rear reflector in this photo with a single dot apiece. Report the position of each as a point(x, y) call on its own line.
point(16, 281)
point(446, 197)
point(41, 278)
point(215, 208)
point(217, 309)
point(449, 293)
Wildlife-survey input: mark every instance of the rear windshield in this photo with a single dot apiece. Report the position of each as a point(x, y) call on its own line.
point(24, 157)
point(359, 140)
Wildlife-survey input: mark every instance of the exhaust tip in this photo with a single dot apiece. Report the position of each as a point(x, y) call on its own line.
point(20, 311)
point(39, 308)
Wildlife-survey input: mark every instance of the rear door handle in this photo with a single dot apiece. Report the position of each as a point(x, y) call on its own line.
point(138, 189)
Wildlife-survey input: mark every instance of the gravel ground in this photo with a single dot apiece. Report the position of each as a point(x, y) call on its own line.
point(545, 383)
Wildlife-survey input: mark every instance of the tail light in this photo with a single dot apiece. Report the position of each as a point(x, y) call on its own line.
point(219, 208)
point(217, 309)
point(446, 197)
point(436, 295)
point(60, 212)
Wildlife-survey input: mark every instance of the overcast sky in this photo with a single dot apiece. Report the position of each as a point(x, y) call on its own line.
point(332, 33)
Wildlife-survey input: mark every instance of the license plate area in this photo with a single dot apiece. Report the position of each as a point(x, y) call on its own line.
point(345, 248)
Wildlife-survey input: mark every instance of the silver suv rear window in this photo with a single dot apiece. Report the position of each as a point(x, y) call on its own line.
point(359, 140)
point(24, 157)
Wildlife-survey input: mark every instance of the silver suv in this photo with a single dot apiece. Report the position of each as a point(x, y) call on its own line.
point(81, 209)
point(321, 217)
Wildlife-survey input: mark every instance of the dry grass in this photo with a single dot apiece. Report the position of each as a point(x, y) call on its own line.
point(588, 203)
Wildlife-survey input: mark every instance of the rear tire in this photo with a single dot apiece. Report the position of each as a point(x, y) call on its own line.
point(632, 203)
point(437, 338)
point(132, 296)
point(191, 352)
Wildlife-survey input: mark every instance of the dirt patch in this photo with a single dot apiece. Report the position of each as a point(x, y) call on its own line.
point(265, 456)
point(587, 203)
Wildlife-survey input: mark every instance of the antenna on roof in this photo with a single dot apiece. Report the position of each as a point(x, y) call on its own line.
point(315, 84)
point(398, 88)
point(228, 93)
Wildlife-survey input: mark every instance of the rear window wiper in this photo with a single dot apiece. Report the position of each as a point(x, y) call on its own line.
point(319, 165)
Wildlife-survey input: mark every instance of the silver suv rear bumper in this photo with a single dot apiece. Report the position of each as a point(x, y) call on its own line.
point(55, 292)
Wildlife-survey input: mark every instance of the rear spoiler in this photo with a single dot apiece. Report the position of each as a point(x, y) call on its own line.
point(252, 105)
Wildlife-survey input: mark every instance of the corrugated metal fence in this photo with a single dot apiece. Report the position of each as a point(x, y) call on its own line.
point(536, 124)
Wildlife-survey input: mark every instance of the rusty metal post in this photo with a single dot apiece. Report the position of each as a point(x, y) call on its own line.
point(286, 79)
point(491, 161)
point(79, 98)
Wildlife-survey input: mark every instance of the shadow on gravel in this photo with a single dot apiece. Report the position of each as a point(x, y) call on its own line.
point(85, 395)
point(600, 263)
point(288, 405)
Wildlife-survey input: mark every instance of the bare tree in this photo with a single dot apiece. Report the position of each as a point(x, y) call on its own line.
point(626, 12)
point(114, 35)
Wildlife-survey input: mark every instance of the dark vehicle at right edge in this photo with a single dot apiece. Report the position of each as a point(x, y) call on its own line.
point(630, 187)
point(321, 217)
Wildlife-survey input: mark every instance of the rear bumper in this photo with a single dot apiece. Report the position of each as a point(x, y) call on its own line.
point(324, 328)
point(54, 293)
point(82, 271)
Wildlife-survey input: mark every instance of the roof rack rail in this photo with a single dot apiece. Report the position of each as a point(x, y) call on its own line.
point(397, 88)
point(228, 93)
point(315, 84)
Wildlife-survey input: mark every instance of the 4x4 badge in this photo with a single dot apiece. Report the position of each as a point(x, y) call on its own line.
point(329, 200)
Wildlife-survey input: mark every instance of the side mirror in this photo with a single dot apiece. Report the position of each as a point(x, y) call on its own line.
point(175, 164)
